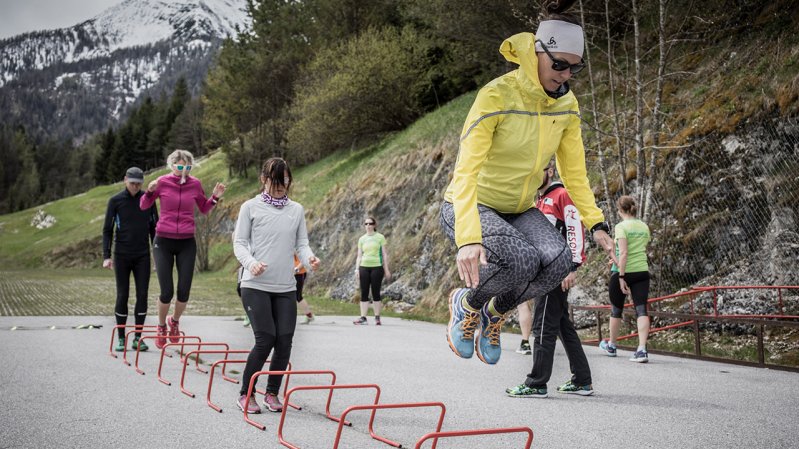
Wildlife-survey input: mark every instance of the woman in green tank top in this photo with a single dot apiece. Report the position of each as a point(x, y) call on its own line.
point(629, 276)
point(371, 267)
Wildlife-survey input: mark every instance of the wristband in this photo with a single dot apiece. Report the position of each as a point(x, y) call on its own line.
point(600, 226)
point(621, 276)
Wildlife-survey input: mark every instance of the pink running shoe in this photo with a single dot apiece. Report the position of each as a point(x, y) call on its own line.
point(252, 406)
point(272, 403)
point(174, 330)
point(160, 342)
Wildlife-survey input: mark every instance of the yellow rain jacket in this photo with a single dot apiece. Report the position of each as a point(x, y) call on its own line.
point(510, 134)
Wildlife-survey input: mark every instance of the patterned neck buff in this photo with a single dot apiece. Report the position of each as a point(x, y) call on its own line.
point(277, 202)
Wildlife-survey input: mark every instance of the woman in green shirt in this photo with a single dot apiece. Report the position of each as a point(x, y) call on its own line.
point(370, 269)
point(630, 276)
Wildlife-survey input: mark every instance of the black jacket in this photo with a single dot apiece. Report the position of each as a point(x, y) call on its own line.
point(135, 228)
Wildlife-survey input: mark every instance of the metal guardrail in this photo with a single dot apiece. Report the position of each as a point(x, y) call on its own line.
point(693, 319)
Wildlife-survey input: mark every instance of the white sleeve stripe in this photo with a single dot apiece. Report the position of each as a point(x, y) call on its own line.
point(574, 234)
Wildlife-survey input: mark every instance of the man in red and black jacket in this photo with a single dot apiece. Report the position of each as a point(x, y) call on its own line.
point(550, 315)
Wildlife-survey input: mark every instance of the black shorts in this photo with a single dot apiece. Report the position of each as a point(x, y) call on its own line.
point(639, 288)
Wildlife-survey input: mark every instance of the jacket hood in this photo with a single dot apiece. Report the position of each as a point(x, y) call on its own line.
point(520, 49)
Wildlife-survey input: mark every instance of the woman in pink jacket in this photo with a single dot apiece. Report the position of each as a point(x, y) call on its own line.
point(174, 242)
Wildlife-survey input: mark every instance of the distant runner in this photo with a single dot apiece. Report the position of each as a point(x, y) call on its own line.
point(300, 274)
point(131, 230)
point(629, 277)
point(371, 266)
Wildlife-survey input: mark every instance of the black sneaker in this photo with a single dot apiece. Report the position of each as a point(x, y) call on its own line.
point(361, 321)
point(524, 348)
point(377, 321)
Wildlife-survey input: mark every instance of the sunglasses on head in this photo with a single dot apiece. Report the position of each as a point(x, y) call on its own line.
point(181, 167)
point(560, 65)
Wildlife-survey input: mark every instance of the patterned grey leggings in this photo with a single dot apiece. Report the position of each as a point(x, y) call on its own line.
point(527, 256)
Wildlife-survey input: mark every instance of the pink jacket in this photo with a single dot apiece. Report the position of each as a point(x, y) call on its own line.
point(177, 205)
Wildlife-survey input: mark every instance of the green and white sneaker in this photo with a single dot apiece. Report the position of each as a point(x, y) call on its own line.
point(120, 346)
point(523, 391)
point(572, 388)
point(139, 345)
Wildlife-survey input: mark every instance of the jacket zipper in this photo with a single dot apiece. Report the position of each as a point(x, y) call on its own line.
point(180, 202)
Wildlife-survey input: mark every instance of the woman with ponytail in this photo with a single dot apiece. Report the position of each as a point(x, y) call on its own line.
point(507, 250)
point(269, 231)
point(630, 276)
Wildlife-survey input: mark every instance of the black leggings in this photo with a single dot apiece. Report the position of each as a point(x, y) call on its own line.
point(639, 289)
point(273, 318)
point(527, 256)
point(168, 253)
point(371, 278)
point(123, 267)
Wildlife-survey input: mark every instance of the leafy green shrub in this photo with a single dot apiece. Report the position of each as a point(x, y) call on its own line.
point(356, 90)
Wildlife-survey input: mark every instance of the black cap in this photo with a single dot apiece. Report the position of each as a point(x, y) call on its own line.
point(134, 174)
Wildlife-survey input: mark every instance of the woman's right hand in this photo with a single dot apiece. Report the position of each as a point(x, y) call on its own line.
point(152, 185)
point(258, 269)
point(469, 259)
point(624, 287)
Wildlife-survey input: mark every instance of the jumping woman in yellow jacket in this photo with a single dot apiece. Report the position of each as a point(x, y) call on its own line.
point(507, 250)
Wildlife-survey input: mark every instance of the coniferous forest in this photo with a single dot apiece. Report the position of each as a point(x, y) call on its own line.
point(316, 76)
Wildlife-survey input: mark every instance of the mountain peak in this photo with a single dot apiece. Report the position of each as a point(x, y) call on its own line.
point(71, 82)
point(132, 23)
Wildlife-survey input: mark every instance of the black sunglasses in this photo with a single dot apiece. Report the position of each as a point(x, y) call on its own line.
point(368, 224)
point(560, 65)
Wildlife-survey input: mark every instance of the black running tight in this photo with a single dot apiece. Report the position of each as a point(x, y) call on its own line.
point(171, 252)
point(370, 278)
point(273, 318)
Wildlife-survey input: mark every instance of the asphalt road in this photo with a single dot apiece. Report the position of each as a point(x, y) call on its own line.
point(60, 388)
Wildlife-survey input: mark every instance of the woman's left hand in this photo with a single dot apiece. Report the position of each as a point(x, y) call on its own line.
point(569, 281)
point(314, 261)
point(388, 274)
point(219, 190)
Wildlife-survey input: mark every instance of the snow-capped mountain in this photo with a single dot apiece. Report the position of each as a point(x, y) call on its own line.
point(109, 61)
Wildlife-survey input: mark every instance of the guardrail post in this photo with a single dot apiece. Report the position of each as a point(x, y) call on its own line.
point(761, 353)
point(697, 339)
point(598, 325)
point(779, 298)
point(715, 303)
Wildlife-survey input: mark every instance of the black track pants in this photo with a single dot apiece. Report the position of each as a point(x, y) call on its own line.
point(123, 267)
point(550, 321)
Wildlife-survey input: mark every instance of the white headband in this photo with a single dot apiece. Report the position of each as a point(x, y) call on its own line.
point(561, 37)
